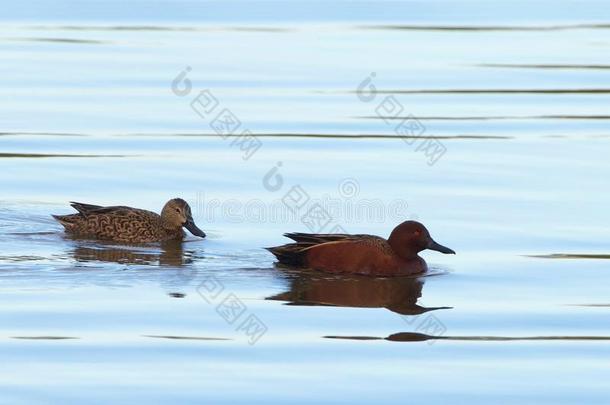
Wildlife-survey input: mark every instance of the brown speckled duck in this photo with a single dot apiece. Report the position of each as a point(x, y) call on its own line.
point(361, 254)
point(132, 225)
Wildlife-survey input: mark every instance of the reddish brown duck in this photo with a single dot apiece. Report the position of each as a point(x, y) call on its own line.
point(361, 254)
point(127, 224)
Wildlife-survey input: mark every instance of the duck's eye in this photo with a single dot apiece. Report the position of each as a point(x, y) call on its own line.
point(178, 210)
point(417, 233)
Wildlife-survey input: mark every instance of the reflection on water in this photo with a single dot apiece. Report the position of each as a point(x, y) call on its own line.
point(492, 118)
point(59, 40)
point(488, 27)
point(519, 100)
point(140, 28)
point(44, 337)
point(397, 294)
point(421, 337)
point(49, 155)
point(168, 253)
point(287, 28)
point(186, 337)
point(496, 91)
point(543, 66)
point(573, 256)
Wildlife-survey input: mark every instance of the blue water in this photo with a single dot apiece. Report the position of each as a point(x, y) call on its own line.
point(513, 94)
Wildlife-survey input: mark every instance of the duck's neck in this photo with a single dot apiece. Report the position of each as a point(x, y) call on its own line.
point(403, 252)
point(169, 227)
point(172, 233)
point(408, 256)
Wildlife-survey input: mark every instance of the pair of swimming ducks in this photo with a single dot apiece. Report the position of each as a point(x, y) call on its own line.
point(332, 253)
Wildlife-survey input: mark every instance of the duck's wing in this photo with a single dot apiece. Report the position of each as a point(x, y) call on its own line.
point(293, 254)
point(90, 209)
point(317, 238)
point(84, 208)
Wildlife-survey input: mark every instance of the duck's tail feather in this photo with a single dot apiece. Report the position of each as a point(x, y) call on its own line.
point(317, 238)
point(292, 254)
point(68, 221)
point(84, 208)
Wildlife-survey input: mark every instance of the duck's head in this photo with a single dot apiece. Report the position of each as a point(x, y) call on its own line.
point(411, 237)
point(177, 213)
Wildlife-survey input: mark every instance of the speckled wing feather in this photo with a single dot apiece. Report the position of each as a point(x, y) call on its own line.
point(119, 223)
point(378, 243)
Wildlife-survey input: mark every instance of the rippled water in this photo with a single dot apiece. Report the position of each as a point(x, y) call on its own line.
point(513, 100)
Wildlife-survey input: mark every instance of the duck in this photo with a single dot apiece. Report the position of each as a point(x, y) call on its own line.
point(130, 225)
point(361, 254)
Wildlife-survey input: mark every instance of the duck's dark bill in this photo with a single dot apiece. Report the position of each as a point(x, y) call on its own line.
point(190, 225)
point(440, 248)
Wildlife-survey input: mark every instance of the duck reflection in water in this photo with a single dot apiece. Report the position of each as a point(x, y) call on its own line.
point(169, 256)
point(398, 294)
point(168, 253)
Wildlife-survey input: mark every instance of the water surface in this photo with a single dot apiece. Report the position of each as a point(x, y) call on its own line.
point(518, 100)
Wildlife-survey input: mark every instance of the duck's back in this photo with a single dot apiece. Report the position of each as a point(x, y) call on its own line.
point(119, 223)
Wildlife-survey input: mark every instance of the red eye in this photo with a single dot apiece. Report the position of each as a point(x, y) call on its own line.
point(417, 233)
